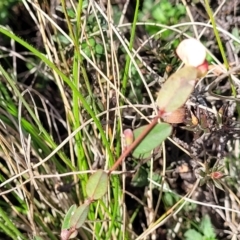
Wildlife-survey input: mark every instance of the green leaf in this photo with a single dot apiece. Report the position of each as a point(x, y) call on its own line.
point(79, 216)
point(168, 199)
point(207, 228)
point(159, 15)
point(97, 184)
point(192, 234)
point(140, 178)
point(69, 214)
point(156, 177)
point(91, 42)
point(177, 89)
point(99, 49)
point(71, 13)
point(217, 184)
point(153, 139)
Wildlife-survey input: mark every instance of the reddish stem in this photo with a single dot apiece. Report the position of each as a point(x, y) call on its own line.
point(135, 143)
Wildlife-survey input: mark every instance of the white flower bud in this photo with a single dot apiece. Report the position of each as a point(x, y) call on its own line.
point(191, 52)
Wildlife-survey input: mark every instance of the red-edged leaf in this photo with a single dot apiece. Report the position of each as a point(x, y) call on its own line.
point(67, 218)
point(97, 185)
point(79, 216)
point(177, 89)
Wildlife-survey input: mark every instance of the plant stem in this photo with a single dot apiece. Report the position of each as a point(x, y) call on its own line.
point(135, 143)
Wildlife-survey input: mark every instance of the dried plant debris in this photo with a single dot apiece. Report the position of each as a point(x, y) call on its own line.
point(213, 131)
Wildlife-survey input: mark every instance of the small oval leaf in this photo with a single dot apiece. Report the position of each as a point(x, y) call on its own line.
point(97, 185)
point(79, 216)
point(140, 178)
point(177, 89)
point(69, 214)
point(153, 139)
